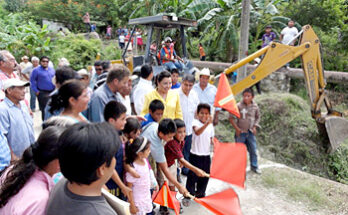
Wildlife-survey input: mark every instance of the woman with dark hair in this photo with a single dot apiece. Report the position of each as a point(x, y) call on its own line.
point(26, 184)
point(170, 98)
point(73, 96)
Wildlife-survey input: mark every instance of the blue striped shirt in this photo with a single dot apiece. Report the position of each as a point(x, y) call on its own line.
point(5, 153)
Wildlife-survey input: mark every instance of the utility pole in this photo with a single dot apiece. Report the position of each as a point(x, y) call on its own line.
point(244, 38)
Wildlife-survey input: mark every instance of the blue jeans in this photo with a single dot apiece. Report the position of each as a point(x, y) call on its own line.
point(176, 65)
point(32, 99)
point(186, 151)
point(250, 141)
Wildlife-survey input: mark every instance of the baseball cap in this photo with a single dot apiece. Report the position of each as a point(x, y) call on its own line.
point(168, 39)
point(83, 72)
point(14, 82)
point(204, 71)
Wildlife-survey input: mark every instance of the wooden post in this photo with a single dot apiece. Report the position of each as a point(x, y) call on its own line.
point(244, 38)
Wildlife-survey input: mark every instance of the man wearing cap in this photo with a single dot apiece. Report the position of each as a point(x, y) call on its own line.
point(41, 83)
point(7, 65)
point(168, 56)
point(15, 121)
point(206, 92)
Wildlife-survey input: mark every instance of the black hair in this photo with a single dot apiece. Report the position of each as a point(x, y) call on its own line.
point(188, 77)
point(167, 126)
point(118, 72)
point(114, 109)
point(97, 63)
point(174, 71)
point(132, 148)
point(65, 73)
point(71, 88)
point(249, 90)
point(35, 157)
point(161, 76)
point(145, 71)
point(132, 124)
point(200, 44)
point(203, 106)
point(84, 148)
point(44, 57)
point(156, 105)
point(105, 64)
point(179, 123)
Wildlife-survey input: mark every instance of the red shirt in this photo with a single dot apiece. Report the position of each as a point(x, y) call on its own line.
point(173, 150)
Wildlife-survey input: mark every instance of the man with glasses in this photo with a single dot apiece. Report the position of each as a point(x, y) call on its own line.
point(169, 58)
point(41, 83)
point(8, 65)
point(98, 67)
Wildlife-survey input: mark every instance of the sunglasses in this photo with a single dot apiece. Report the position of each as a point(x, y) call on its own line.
point(98, 69)
point(44, 61)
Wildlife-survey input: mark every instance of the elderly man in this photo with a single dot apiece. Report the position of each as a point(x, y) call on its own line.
point(26, 74)
point(206, 92)
point(169, 58)
point(189, 101)
point(8, 65)
point(41, 83)
point(15, 121)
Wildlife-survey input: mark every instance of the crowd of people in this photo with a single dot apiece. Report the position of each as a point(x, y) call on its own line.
point(101, 132)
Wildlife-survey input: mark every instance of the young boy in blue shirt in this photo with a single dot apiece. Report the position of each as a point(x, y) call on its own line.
point(155, 114)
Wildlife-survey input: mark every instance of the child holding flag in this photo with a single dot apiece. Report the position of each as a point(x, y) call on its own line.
point(203, 133)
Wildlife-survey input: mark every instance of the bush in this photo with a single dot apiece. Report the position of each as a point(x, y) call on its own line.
point(111, 52)
point(79, 51)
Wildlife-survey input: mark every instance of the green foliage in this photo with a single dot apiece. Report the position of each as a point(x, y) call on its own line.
point(15, 5)
point(79, 51)
point(111, 52)
point(338, 164)
point(22, 37)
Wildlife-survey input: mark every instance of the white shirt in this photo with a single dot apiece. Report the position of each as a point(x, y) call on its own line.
point(143, 87)
point(121, 38)
point(188, 106)
point(288, 34)
point(207, 95)
point(201, 143)
point(126, 102)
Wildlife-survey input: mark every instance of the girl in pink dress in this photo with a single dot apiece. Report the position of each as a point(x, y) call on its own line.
point(136, 154)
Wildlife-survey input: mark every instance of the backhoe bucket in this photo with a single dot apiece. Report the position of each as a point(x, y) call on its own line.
point(337, 131)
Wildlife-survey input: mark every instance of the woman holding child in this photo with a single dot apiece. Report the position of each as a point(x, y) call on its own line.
point(170, 98)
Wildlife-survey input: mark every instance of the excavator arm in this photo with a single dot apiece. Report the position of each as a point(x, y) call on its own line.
point(275, 56)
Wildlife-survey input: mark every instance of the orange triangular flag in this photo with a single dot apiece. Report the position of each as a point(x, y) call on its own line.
point(224, 97)
point(229, 162)
point(167, 198)
point(225, 202)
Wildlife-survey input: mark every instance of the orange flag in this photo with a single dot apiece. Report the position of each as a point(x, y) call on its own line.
point(229, 162)
point(224, 97)
point(167, 198)
point(225, 202)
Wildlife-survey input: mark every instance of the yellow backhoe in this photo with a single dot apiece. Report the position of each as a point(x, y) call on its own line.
point(331, 124)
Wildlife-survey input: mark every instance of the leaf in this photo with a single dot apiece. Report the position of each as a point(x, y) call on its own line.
point(271, 9)
point(212, 13)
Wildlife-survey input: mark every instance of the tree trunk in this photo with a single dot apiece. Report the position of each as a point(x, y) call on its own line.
point(244, 38)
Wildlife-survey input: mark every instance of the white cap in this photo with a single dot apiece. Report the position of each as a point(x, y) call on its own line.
point(14, 82)
point(168, 39)
point(205, 71)
point(83, 72)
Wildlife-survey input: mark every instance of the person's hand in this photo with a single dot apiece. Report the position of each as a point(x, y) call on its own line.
point(201, 173)
point(156, 188)
point(238, 132)
point(254, 130)
point(37, 94)
point(216, 120)
point(127, 191)
point(133, 209)
point(183, 190)
point(210, 120)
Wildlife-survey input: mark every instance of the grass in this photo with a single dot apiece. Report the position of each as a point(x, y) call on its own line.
point(297, 187)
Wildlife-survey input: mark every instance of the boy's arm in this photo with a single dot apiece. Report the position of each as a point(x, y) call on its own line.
point(235, 126)
point(257, 121)
point(197, 171)
point(133, 208)
point(125, 190)
point(199, 131)
point(164, 167)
